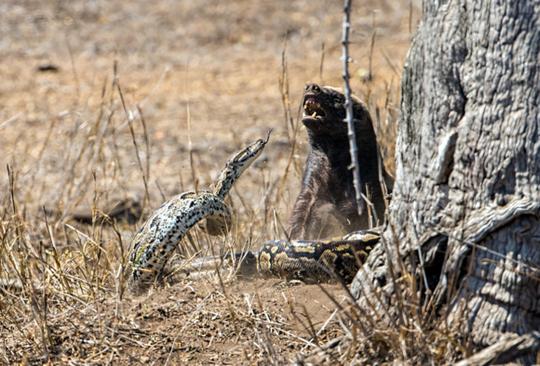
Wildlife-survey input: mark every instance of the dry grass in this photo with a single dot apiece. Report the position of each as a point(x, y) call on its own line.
point(198, 80)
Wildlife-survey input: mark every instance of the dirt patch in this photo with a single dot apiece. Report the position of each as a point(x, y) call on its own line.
point(189, 322)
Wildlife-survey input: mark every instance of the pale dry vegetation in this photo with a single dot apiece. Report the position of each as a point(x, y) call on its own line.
point(199, 80)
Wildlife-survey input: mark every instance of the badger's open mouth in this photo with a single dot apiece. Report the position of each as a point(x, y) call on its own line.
point(313, 109)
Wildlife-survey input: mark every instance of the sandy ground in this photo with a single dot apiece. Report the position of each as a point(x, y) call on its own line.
point(206, 77)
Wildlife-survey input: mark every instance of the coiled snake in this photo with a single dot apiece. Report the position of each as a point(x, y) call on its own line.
point(317, 261)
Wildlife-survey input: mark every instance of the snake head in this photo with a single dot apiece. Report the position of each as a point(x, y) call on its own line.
point(245, 157)
point(236, 165)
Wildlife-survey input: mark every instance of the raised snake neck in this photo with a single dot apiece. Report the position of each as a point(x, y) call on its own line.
point(154, 242)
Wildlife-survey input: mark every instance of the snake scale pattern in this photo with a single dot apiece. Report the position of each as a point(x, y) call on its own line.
point(315, 261)
point(311, 261)
point(153, 244)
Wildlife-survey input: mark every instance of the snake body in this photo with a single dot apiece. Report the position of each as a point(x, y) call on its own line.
point(155, 241)
point(160, 234)
point(311, 261)
point(316, 261)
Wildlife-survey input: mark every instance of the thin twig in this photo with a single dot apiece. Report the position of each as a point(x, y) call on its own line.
point(321, 65)
point(147, 150)
point(284, 90)
point(129, 117)
point(349, 109)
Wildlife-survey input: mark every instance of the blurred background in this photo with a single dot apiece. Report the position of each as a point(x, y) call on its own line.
point(217, 64)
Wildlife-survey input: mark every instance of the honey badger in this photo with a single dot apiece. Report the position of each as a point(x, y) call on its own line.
point(326, 204)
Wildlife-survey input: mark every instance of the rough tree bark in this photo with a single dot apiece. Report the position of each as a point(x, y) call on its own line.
point(466, 201)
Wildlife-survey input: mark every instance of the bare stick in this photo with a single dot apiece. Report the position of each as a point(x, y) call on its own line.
point(133, 139)
point(321, 65)
point(348, 107)
point(284, 90)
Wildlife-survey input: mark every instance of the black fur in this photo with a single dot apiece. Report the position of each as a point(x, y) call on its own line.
point(326, 203)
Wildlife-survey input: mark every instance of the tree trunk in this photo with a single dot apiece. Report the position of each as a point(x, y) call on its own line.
point(466, 201)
